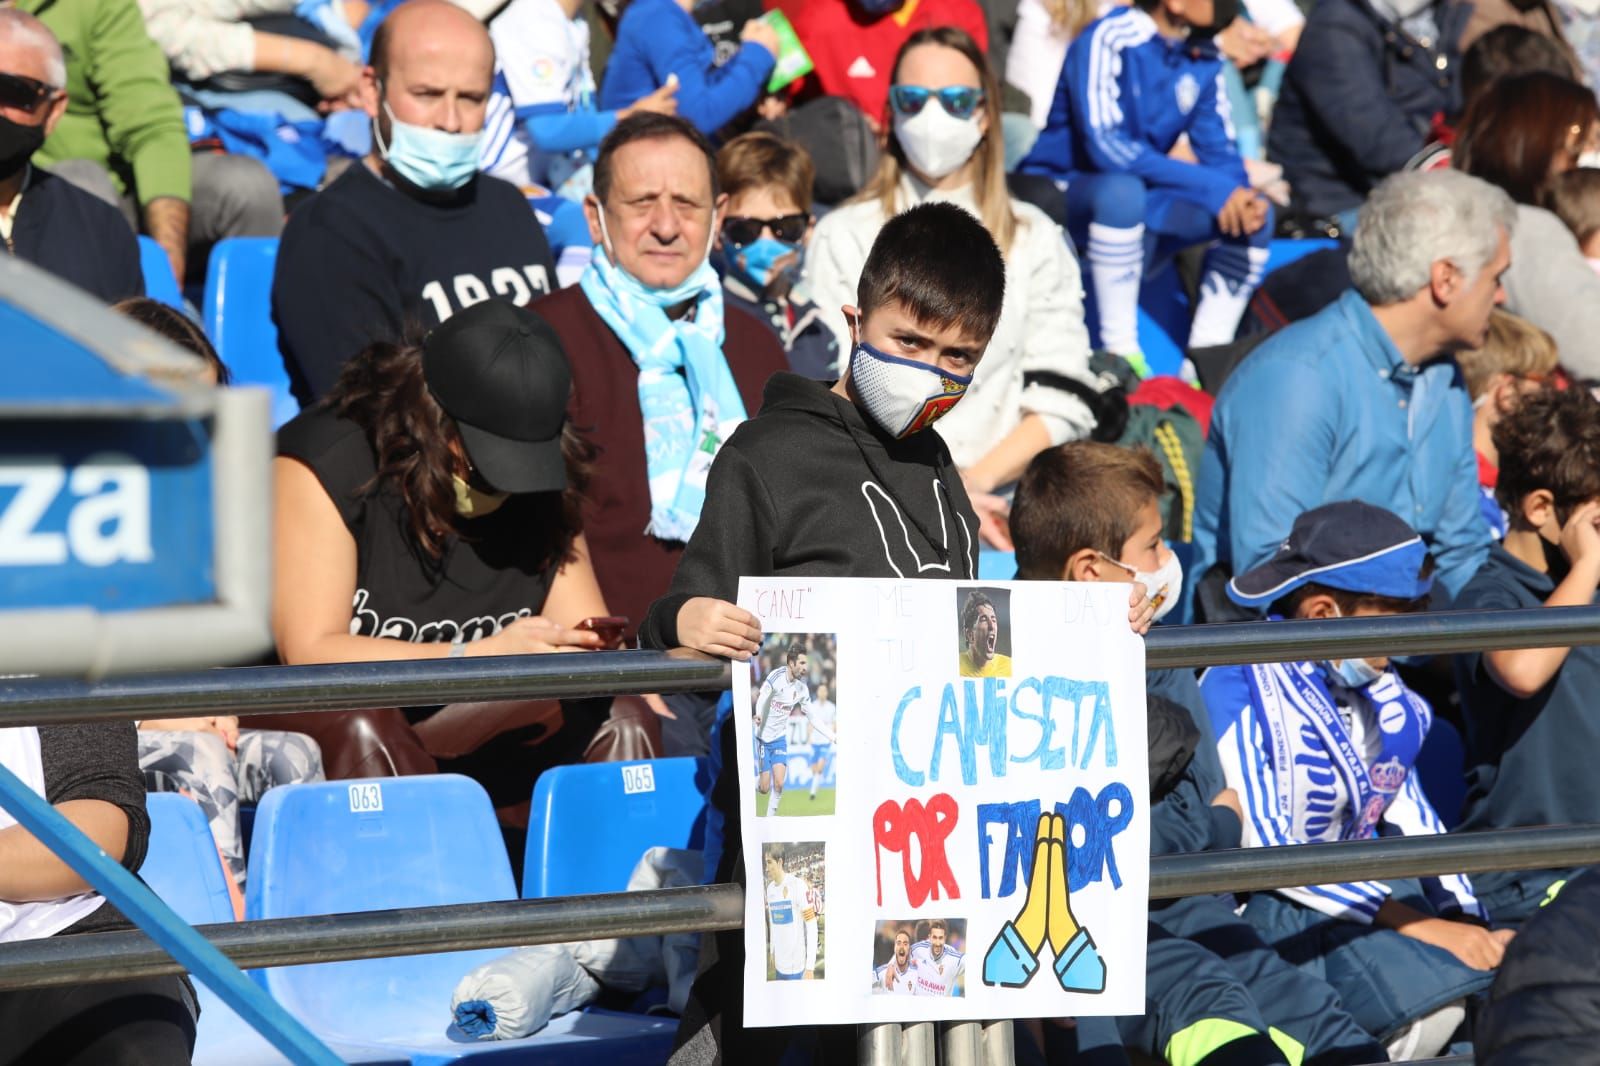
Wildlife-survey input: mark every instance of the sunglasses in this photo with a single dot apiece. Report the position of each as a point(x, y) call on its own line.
point(23, 94)
point(959, 101)
point(742, 231)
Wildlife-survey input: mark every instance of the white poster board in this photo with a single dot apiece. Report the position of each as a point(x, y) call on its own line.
point(977, 842)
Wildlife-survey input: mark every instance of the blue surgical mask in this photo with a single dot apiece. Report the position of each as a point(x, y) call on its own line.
point(428, 158)
point(757, 260)
point(1355, 673)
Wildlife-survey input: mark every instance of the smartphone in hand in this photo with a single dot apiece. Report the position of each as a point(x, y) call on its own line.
point(610, 628)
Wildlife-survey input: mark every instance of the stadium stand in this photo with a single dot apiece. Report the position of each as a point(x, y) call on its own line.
point(238, 316)
point(641, 805)
point(347, 846)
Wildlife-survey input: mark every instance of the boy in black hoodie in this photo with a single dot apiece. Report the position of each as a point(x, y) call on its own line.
point(837, 482)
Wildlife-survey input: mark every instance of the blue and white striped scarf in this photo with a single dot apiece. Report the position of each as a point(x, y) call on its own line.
point(687, 393)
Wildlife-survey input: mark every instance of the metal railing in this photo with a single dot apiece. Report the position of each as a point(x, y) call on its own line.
point(357, 686)
point(280, 942)
point(92, 957)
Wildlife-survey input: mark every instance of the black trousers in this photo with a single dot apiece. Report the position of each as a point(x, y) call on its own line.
point(143, 1022)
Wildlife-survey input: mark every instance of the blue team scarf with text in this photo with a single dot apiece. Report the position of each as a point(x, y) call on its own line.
point(687, 393)
point(1289, 691)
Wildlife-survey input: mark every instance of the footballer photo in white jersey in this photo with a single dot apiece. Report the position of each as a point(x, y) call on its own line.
point(794, 722)
point(793, 883)
point(919, 957)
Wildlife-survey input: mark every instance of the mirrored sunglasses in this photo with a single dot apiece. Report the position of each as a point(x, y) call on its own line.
point(959, 101)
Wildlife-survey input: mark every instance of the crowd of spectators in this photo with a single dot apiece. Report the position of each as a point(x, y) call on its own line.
point(592, 309)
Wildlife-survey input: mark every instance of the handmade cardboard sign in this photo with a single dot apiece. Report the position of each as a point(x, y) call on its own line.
point(945, 806)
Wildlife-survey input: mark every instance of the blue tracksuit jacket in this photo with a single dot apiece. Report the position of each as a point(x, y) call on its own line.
point(1124, 97)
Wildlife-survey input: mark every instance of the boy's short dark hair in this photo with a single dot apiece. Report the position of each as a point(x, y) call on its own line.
point(938, 923)
point(1079, 495)
point(1507, 50)
point(757, 159)
point(1551, 442)
point(794, 652)
point(649, 126)
point(1574, 196)
point(941, 265)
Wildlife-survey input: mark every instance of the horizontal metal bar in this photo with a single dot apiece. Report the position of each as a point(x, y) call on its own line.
point(93, 957)
point(353, 686)
point(1259, 869)
point(359, 686)
point(421, 931)
point(1439, 633)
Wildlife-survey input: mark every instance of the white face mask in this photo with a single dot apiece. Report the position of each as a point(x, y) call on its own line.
point(902, 395)
point(935, 142)
point(1163, 585)
point(1590, 159)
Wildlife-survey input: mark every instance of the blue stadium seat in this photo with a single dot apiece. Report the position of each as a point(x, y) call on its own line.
point(159, 284)
point(344, 846)
point(591, 823)
point(183, 868)
point(1442, 764)
point(238, 316)
point(182, 865)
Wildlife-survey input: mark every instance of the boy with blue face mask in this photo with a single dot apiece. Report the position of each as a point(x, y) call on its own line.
point(1325, 751)
point(766, 224)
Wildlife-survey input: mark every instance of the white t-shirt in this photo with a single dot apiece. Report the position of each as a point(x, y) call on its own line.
point(935, 977)
point(904, 980)
point(781, 697)
point(541, 59)
point(791, 908)
point(823, 713)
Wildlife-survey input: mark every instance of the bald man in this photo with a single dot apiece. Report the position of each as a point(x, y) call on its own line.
point(413, 234)
point(43, 219)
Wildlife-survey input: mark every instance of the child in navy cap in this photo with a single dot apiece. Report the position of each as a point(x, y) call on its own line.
point(1324, 751)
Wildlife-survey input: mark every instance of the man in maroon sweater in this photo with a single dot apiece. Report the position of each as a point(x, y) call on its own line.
point(645, 331)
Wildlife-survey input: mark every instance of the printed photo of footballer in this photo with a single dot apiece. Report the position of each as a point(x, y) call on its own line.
point(795, 724)
point(920, 958)
point(793, 888)
point(985, 639)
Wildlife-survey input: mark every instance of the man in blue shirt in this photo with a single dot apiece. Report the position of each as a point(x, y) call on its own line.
point(1363, 400)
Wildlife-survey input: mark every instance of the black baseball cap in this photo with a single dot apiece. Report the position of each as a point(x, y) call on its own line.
point(1351, 546)
point(500, 373)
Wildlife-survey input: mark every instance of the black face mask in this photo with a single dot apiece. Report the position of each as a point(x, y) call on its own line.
point(17, 145)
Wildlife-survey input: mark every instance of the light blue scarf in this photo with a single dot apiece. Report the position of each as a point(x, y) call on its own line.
point(687, 393)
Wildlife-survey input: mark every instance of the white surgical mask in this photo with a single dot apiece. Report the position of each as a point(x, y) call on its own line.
point(1591, 159)
point(428, 158)
point(1162, 585)
point(935, 142)
point(902, 395)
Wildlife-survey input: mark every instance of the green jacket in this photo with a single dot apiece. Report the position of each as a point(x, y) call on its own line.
point(122, 111)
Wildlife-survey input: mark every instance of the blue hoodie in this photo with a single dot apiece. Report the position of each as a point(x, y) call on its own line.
point(658, 37)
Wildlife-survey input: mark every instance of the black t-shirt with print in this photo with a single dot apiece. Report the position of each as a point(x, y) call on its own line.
point(500, 569)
